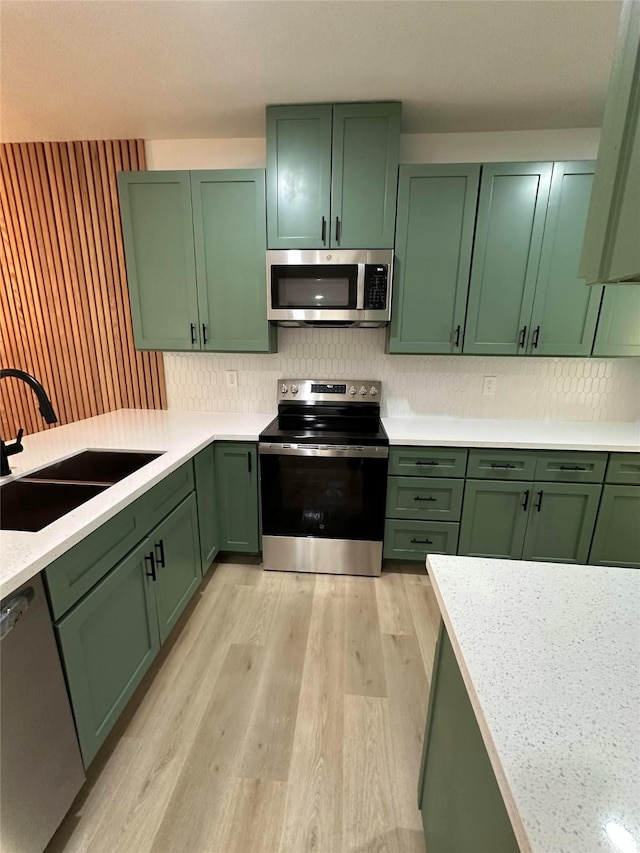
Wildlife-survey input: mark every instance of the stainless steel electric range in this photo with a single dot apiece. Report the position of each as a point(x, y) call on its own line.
point(323, 474)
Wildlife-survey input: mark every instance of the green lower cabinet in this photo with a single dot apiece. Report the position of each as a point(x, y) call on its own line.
point(204, 467)
point(178, 566)
point(108, 641)
point(616, 541)
point(458, 795)
point(561, 521)
point(415, 540)
point(494, 518)
point(236, 465)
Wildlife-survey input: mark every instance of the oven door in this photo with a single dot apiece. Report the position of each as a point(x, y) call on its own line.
point(324, 493)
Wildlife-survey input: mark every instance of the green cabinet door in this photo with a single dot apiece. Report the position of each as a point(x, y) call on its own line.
point(230, 244)
point(618, 331)
point(108, 641)
point(298, 176)
point(494, 518)
point(157, 228)
point(204, 466)
point(511, 214)
point(434, 238)
point(616, 541)
point(178, 566)
point(364, 175)
point(564, 310)
point(237, 494)
point(561, 521)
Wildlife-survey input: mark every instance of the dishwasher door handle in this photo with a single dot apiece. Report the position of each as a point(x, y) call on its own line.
point(13, 609)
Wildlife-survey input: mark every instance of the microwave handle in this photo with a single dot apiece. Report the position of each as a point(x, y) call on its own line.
point(360, 287)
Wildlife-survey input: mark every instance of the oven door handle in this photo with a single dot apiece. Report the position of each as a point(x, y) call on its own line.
point(327, 451)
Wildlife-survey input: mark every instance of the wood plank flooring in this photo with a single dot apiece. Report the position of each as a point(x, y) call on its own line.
point(285, 715)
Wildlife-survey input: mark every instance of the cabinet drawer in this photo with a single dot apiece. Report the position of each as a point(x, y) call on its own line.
point(624, 468)
point(571, 467)
point(424, 498)
point(414, 540)
point(494, 464)
point(429, 461)
point(167, 494)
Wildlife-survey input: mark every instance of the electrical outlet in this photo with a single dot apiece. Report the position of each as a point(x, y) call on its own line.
point(489, 385)
point(231, 378)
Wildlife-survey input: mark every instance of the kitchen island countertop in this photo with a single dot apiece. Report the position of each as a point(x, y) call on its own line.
point(549, 657)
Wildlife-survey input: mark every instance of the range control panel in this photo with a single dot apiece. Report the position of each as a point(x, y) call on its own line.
point(375, 286)
point(321, 391)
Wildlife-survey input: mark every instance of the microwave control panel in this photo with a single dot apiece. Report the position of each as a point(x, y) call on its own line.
point(375, 286)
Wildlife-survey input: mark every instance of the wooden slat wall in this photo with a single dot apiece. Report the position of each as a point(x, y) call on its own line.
point(64, 303)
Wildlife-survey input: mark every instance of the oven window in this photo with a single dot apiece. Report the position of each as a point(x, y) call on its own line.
point(324, 497)
point(333, 286)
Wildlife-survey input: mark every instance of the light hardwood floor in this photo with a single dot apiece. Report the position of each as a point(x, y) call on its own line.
point(286, 715)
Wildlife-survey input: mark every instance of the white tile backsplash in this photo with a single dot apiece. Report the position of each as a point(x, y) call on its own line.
point(527, 388)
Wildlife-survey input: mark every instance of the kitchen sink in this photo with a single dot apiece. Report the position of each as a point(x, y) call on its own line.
point(95, 466)
point(28, 505)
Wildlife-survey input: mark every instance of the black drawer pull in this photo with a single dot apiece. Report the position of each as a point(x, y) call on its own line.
point(523, 337)
point(456, 341)
point(573, 468)
point(539, 501)
point(324, 230)
point(248, 461)
point(193, 333)
point(421, 542)
point(525, 500)
point(160, 558)
point(204, 333)
point(418, 498)
point(535, 338)
point(502, 465)
point(338, 230)
point(150, 559)
point(427, 462)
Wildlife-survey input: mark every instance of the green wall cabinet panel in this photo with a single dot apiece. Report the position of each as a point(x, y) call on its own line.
point(108, 641)
point(157, 228)
point(565, 312)
point(510, 222)
point(229, 228)
point(611, 249)
point(618, 331)
point(236, 465)
point(332, 175)
point(561, 521)
point(494, 518)
point(178, 566)
point(204, 467)
point(434, 240)
point(458, 795)
point(616, 541)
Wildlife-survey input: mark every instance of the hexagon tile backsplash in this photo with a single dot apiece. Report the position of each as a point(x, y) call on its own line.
point(527, 388)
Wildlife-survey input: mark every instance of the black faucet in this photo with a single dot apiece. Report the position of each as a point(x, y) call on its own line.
point(46, 410)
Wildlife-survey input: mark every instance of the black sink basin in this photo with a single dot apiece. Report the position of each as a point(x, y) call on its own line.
point(27, 505)
point(95, 466)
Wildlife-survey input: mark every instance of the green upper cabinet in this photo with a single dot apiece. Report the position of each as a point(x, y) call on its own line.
point(332, 173)
point(611, 251)
point(229, 229)
point(157, 227)
point(508, 241)
point(236, 465)
point(565, 312)
point(434, 239)
point(618, 331)
point(195, 245)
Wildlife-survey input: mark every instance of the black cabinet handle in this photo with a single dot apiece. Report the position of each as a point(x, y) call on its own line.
point(523, 336)
point(421, 542)
point(160, 559)
point(418, 498)
point(324, 230)
point(338, 230)
point(525, 500)
point(204, 333)
point(426, 462)
point(539, 501)
point(193, 333)
point(499, 465)
point(456, 337)
point(149, 558)
point(535, 337)
point(249, 461)
point(572, 468)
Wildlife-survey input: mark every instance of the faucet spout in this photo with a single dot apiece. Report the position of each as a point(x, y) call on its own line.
point(46, 410)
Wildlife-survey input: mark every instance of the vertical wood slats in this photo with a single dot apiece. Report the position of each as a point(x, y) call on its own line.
point(64, 302)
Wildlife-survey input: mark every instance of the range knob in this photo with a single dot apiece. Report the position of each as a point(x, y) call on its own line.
point(363, 391)
point(284, 389)
point(352, 390)
point(373, 390)
point(294, 389)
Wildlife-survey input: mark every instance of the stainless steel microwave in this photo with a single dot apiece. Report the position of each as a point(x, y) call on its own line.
point(345, 287)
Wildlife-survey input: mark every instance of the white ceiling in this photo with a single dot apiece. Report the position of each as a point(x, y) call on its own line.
point(86, 69)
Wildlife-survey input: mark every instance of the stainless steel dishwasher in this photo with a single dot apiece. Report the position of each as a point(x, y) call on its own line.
point(40, 765)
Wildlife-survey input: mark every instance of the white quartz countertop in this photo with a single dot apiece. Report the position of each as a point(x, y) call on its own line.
point(535, 435)
point(180, 435)
point(550, 656)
